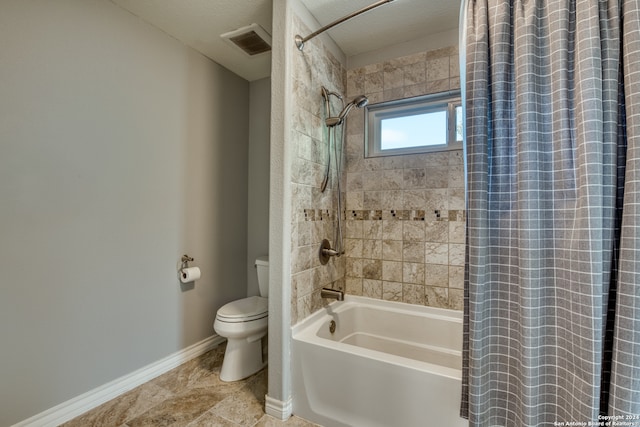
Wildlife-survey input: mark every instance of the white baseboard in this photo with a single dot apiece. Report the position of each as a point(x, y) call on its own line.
point(277, 408)
point(70, 409)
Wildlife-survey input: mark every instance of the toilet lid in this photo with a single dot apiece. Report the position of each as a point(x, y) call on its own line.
point(244, 310)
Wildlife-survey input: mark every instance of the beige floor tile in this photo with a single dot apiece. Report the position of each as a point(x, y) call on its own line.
point(117, 411)
point(179, 410)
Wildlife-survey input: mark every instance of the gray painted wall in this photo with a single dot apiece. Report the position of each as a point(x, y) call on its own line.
point(120, 150)
point(258, 214)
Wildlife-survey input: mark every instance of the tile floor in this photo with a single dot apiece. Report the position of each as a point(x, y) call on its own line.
point(190, 395)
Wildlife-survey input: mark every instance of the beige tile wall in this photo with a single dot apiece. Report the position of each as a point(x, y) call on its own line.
point(405, 214)
point(314, 211)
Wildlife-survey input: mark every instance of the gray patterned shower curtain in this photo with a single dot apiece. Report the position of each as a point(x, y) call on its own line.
point(552, 286)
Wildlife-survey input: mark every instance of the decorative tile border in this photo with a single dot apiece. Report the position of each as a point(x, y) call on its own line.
point(393, 214)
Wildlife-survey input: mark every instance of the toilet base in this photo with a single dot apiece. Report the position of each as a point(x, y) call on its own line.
point(241, 359)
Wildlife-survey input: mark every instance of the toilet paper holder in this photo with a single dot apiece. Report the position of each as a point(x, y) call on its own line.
point(186, 259)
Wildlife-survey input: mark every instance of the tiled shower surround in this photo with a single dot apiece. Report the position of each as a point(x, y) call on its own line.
point(405, 214)
point(404, 217)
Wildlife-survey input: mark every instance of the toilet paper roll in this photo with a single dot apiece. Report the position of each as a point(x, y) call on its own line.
point(189, 274)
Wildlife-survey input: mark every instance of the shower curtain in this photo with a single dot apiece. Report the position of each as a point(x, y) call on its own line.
point(552, 278)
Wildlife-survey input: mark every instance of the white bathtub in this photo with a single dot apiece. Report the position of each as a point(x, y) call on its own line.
point(387, 364)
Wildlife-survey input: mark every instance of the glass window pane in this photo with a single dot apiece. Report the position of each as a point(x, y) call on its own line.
point(419, 130)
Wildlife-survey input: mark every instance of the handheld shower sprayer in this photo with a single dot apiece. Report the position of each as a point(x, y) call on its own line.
point(358, 102)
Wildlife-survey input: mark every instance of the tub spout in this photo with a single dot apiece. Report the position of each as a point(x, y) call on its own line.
point(332, 293)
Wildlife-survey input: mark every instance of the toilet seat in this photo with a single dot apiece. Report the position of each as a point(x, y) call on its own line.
point(244, 310)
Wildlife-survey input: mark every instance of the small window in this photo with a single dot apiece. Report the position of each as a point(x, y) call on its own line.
point(414, 125)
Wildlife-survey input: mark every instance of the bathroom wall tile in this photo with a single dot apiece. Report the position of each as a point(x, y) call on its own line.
point(355, 82)
point(372, 249)
point(437, 177)
point(301, 259)
point(413, 231)
point(321, 276)
point(373, 164)
point(442, 52)
point(413, 272)
point(414, 178)
point(353, 229)
point(301, 283)
point(354, 181)
point(456, 176)
point(413, 251)
point(391, 230)
point(392, 271)
point(372, 288)
point(456, 231)
point(375, 97)
point(456, 254)
point(393, 77)
point(356, 122)
point(436, 253)
point(415, 90)
point(371, 269)
point(436, 86)
point(437, 69)
point(353, 267)
point(436, 275)
point(391, 199)
point(436, 159)
point(392, 162)
point(392, 179)
point(437, 231)
point(456, 299)
point(354, 200)
point(370, 181)
point(374, 82)
point(353, 247)
point(303, 306)
point(413, 294)
point(436, 199)
point(353, 286)
point(454, 83)
point(393, 94)
point(392, 291)
point(372, 229)
point(456, 198)
point(437, 297)
point(415, 73)
point(392, 250)
point(304, 233)
point(456, 158)
point(454, 66)
point(456, 277)
point(372, 200)
point(420, 57)
point(414, 199)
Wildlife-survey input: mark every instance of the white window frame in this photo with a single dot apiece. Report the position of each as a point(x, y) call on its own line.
point(374, 114)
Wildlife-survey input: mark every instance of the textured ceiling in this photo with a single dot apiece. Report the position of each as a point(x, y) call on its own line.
point(199, 24)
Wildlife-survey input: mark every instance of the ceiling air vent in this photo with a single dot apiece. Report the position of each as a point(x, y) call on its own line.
point(252, 40)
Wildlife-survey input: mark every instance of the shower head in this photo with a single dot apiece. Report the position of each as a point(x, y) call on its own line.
point(358, 102)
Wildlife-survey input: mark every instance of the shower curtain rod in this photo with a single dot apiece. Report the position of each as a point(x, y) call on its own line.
point(300, 40)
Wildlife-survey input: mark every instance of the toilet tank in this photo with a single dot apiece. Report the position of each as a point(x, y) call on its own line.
point(262, 268)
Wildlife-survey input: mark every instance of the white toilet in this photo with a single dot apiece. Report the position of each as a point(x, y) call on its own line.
point(243, 323)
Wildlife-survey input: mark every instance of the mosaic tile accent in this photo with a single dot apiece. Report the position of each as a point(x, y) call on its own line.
point(393, 214)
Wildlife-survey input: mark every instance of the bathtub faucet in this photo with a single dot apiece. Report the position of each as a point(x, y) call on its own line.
point(332, 293)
